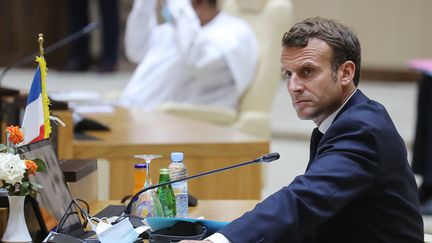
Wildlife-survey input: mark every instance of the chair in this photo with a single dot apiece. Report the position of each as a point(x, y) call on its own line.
point(269, 19)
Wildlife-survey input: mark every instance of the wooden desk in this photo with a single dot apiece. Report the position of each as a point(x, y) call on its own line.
point(206, 147)
point(220, 210)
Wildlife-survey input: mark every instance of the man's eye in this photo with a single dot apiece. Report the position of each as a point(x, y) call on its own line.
point(308, 71)
point(287, 75)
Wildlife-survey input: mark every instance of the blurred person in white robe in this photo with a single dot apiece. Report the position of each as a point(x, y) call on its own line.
point(199, 55)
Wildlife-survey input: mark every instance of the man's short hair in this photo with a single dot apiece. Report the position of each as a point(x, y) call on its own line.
point(341, 39)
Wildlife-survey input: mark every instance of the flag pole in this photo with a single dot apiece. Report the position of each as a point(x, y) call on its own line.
point(45, 100)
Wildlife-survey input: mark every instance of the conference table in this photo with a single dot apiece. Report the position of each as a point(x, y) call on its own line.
point(205, 146)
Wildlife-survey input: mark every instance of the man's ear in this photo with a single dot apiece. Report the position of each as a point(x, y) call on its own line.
point(347, 71)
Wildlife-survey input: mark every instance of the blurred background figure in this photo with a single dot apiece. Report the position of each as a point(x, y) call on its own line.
point(199, 55)
point(80, 50)
point(422, 150)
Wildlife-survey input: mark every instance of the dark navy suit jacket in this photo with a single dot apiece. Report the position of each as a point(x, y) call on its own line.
point(359, 188)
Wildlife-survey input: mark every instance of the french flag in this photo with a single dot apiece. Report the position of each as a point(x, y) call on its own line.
point(33, 123)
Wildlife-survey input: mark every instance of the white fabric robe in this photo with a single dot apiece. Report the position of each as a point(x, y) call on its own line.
point(181, 61)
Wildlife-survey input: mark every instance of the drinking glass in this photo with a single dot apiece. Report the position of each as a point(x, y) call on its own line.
point(148, 204)
point(147, 158)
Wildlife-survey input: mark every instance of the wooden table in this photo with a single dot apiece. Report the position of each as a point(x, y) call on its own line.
point(206, 147)
point(219, 210)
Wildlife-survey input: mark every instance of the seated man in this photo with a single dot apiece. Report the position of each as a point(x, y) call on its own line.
point(200, 55)
point(358, 185)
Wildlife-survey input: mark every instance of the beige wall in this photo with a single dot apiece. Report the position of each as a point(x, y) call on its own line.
point(390, 31)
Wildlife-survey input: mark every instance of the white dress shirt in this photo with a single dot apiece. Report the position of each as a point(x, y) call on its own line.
point(182, 61)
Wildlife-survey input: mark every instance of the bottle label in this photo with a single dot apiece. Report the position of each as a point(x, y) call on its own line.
point(181, 205)
point(179, 187)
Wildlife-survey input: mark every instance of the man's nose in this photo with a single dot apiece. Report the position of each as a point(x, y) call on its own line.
point(294, 84)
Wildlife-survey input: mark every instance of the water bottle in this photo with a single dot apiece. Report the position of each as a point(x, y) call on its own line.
point(177, 170)
point(166, 194)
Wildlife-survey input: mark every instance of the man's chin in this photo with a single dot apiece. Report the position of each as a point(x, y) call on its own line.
point(303, 116)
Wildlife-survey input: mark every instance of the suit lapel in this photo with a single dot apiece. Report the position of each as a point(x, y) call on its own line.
point(316, 136)
point(357, 98)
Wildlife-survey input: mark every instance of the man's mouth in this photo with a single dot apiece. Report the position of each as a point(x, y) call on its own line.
point(300, 101)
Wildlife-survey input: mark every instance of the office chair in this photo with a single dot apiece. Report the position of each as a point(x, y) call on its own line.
point(269, 19)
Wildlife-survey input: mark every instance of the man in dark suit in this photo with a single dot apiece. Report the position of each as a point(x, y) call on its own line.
point(358, 186)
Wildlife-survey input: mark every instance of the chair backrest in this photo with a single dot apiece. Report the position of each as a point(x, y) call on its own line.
point(269, 19)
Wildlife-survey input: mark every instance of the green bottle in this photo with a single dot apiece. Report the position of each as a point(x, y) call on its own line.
point(166, 194)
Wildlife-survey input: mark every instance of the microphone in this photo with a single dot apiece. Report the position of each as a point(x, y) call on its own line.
point(66, 40)
point(269, 157)
point(265, 158)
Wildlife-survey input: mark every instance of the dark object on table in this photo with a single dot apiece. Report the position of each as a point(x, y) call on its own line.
point(89, 125)
point(182, 230)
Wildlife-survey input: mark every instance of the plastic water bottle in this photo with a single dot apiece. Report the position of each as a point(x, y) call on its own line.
point(178, 170)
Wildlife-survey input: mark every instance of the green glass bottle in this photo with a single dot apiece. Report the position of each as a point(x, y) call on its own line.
point(166, 194)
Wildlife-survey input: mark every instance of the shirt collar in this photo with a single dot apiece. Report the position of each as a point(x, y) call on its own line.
point(329, 120)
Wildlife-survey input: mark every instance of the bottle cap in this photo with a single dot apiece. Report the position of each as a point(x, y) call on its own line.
point(140, 166)
point(177, 157)
point(164, 171)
